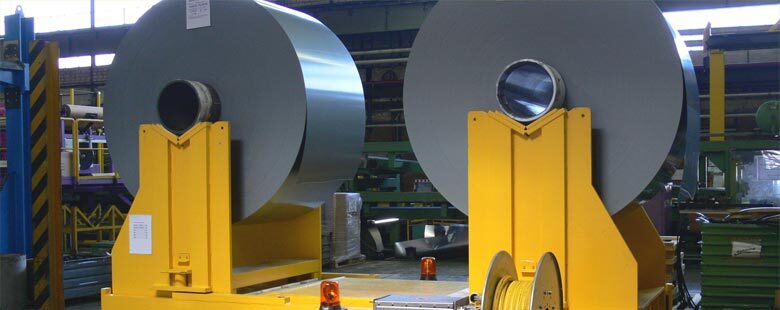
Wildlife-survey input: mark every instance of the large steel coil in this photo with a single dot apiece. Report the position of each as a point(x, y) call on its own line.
point(619, 58)
point(285, 82)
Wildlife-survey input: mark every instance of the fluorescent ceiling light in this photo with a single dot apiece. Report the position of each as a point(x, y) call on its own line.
point(104, 59)
point(693, 37)
point(86, 61)
point(745, 16)
point(387, 220)
point(75, 62)
point(756, 15)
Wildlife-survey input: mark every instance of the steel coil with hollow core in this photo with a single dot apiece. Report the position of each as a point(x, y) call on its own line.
point(619, 58)
point(285, 82)
point(81, 111)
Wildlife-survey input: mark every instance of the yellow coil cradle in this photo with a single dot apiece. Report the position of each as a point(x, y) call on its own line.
point(513, 294)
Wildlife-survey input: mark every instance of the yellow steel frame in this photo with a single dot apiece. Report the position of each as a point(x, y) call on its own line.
point(717, 95)
point(530, 192)
point(185, 188)
point(105, 222)
point(201, 260)
point(101, 146)
point(75, 124)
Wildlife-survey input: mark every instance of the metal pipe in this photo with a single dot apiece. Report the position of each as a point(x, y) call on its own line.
point(384, 158)
point(733, 115)
point(746, 95)
point(81, 111)
point(728, 134)
point(380, 52)
point(380, 61)
point(77, 92)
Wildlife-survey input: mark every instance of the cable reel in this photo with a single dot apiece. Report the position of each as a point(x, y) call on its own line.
point(504, 290)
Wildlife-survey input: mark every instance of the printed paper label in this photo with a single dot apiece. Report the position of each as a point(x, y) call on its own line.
point(746, 248)
point(198, 13)
point(140, 234)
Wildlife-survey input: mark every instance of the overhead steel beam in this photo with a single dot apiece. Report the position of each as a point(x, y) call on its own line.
point(744, 78)
point(83, 42)
point(743, 41)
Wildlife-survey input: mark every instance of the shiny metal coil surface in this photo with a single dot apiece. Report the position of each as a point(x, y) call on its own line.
point(619, 58)
point(285, 82)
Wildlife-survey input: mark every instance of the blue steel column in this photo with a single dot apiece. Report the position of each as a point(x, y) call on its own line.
point(15, 204)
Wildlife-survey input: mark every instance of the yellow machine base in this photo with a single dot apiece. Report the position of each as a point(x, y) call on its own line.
point(357, 294)
point(530, 192)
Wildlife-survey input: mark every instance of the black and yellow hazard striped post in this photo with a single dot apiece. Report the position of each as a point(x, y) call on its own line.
point(46, 180)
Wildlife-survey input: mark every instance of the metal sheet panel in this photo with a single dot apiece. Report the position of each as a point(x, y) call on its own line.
point(286, 83)
point(618, 58)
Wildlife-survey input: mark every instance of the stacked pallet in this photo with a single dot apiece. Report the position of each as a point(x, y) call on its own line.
point(341, 229)
point(740, 266)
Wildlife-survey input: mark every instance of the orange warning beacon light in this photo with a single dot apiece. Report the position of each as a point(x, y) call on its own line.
point(330, 297)
point(428, 268)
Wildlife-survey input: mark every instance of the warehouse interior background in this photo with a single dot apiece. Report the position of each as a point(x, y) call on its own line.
point(390, 214)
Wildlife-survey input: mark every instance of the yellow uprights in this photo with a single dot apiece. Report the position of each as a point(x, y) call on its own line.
point(100, 146)
point(185, 197)
point(643, 240)
point(185, 194)
point(717, 95)
point(530, 191)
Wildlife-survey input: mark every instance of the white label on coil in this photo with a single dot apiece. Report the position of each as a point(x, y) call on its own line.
point(198, 13)
point(140, 234)
point(746, 248)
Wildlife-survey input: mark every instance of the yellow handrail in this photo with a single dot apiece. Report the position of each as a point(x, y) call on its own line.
point(75, 149)
point(99, 221)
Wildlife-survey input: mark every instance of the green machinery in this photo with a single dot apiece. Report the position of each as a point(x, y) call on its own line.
point(386, 184)
point(729, 152)
point(768, 117)
point(730, 155)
